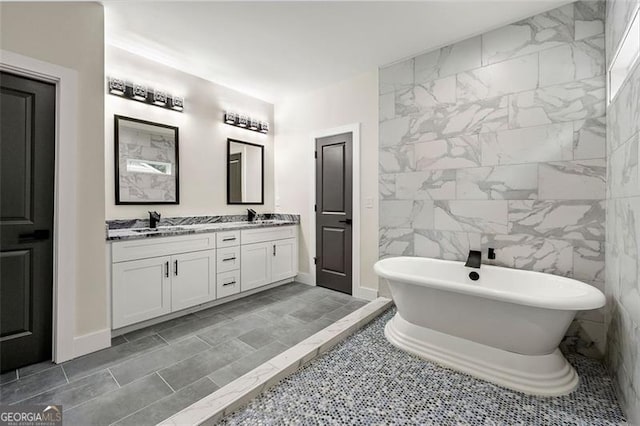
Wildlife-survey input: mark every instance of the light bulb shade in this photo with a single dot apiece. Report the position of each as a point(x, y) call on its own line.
point(139, 92)
point(159, 97)
point(254, 124)
point(177, 103)
point(230, 117)
point(264, 127)
point(243, 120)
point(116, 86)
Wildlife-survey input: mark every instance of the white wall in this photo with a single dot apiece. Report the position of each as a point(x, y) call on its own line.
point(202, 133)
point(347, 102)
point(72, 35)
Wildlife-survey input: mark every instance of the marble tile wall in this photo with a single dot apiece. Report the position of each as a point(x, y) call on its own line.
point(499, 141)
point(622, 317)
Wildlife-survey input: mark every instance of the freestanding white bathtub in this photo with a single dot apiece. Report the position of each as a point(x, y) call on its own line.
point(504, 328)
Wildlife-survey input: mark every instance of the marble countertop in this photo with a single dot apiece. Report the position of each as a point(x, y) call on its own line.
point(168, 231)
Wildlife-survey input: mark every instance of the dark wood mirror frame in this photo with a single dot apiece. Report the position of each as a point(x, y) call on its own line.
point(261, 202)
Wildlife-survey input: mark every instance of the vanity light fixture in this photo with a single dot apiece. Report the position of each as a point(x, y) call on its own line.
point(159, 97)
point(116, 86)
point(177, 103)
point(142, 93)
point(246, 122)
point(139, 92)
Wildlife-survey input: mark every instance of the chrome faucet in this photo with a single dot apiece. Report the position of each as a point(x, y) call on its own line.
point(154, 218)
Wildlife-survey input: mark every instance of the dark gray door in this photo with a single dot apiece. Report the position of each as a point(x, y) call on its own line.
point(27, 171)
point(235, 178)
point(334, 177)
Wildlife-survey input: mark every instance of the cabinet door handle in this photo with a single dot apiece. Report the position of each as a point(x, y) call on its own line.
point(229, 283)
point(166, 270)
point(274, 249)
point(229, 258)
point(175, 266)
point(229, 239)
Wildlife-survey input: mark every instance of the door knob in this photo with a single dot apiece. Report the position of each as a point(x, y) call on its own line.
point(37, 235)
point(347, 221)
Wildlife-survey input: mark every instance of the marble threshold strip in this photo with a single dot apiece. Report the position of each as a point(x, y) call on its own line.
point(229, 398)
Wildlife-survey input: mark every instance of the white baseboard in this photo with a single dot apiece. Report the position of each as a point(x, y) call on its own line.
point(305, 278)
point(366, 293)
point(91, 342)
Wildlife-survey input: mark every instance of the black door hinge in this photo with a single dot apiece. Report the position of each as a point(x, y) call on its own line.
point(315, 207)
point(315, 260)
point(315, 154)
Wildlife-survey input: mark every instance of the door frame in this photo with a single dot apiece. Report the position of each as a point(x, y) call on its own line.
point(65, 203)
point(356, 289)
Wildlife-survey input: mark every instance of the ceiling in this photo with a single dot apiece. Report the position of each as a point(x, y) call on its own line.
point(273, 50)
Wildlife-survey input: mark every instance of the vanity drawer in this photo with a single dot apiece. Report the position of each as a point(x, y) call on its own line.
point(228, 283)
point(228, 259)
point(228, 239)
point(161, 246)
point(260, 235)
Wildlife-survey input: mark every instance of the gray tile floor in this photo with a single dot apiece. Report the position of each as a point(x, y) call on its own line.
point(150, 374)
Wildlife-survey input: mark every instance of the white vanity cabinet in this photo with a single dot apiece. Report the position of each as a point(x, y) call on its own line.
point(268, 255)
point(152, 277)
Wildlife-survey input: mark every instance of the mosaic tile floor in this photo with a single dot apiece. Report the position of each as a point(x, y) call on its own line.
point(365, 380)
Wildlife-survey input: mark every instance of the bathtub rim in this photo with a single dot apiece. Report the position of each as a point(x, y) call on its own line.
point(593, 299)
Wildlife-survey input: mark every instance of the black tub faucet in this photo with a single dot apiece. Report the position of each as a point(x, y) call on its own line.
point(474, 259)
point(251, 215)
point(154, 218)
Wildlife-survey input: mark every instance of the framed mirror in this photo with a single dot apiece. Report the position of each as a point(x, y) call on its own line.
point(245, 172)
point(146, 162)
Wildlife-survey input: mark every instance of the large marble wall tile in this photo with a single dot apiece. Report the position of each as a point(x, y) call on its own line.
point(588, 260)
point(396, 242)
point(387, 186)
point(512, 76)
point(589, 18)
point(573, 180)
point(426, 96)
point(517, 182)
point(576, 100)
point(396, 213)
point(618, 14)
point(396, 77)
point(387, 107)
point(558, 219)
point(445, 244)
point(393, 131)
point(532, 144)
point(528, 36)
point(448, 60)
point(471, 216)
point(571, 62)
point(524, 251)
point(406, 214)
point(488, 115)
point(428, 185)
point(452, 153)
point(624, 111)
point(623, 171)
point(589, 138)
point(396, 159)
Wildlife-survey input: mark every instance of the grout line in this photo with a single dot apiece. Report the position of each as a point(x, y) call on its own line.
point(165, 382)
point(65, 374)
point(114, 378)
point(203, 341)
